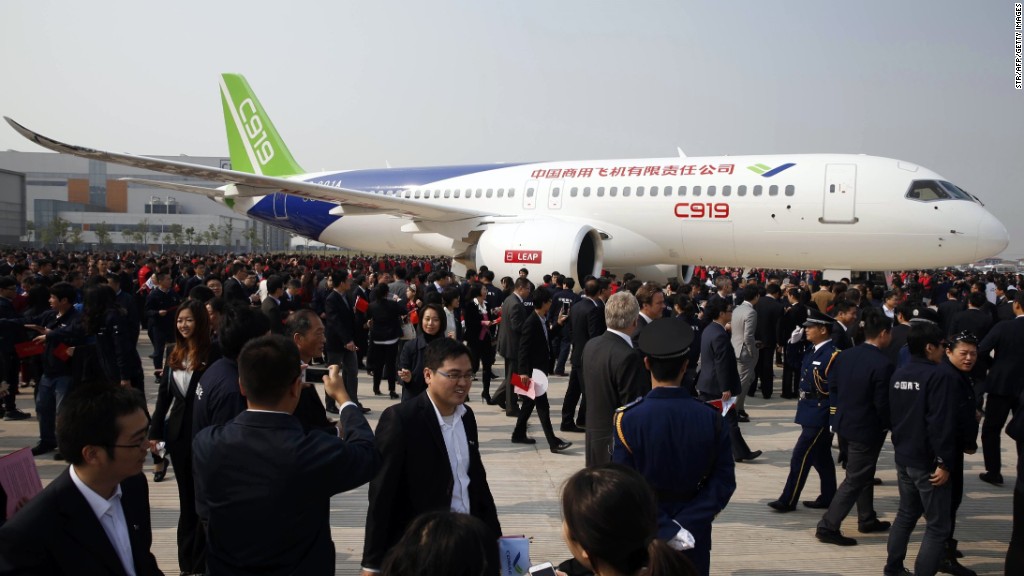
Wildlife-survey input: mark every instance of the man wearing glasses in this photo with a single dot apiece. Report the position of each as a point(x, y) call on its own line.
point(94, 517)
point(431, 457)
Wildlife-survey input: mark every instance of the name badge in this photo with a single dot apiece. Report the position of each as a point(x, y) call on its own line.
point(816, 363)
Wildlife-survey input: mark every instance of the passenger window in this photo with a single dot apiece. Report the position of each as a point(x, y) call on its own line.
point(458, 193)
point(613, 191)
point(574, 191)
point(586, 192)
point(511, 192)
point(501, 193)
point(681, 191)
point(668, 190)
point(417, 194)
point(711, 190)
point(757, 190)
point(488, 192)
point(555, 192)
point(529, 192)
point(726, 190)
point(696, 190)
point(625, 192)
point(773, 190)
point(640, 190)
point(600, 192)
point(790, 190)
point(447, 193)
point(741, 190)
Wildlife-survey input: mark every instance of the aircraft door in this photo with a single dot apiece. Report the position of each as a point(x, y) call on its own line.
point(280, 205)
point(839, 202)
point(534, 193)
point(555, 195)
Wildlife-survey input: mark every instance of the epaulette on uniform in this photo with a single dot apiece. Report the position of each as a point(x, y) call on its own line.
point(630, 405)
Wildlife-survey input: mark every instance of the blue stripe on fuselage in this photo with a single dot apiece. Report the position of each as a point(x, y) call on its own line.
point(308, 218)
point(399, 178)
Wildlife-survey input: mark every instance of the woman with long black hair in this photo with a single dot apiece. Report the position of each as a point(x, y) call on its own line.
point(410, 366)
point(192, 354)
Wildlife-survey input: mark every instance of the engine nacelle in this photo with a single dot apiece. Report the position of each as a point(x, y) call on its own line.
point(541, 246)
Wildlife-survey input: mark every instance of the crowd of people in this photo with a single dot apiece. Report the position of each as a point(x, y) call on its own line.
point(658, 374)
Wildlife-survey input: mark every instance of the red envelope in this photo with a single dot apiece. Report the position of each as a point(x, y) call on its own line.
point(27, 349)
point(61, 352)
point(361, 304)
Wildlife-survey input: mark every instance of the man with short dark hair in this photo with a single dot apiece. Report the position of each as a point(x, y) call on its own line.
point(922, 406)
point(10, 364)
point(341, 347)
point(94, 517)
point(1003, 386)
point(513, 314)
point(263, 485)
point(431, 457)
point(161, 305)
point(859, 399)
point(271, 306)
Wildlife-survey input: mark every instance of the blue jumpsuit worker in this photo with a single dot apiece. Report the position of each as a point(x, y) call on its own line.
point(814, 446)
point(681, 445)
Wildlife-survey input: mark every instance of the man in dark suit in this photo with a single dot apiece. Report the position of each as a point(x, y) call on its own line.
point(94, 517)
point(614, 374)
point(271, 306)
point(263, 485)
point(161, 307)
point(845, 313)
point(341, 347)
point(431, 457)
point(949, 309)
point(513, 315)
point(583, 326)
point(769, 315)
point(535, 354)
point(719, 377)
point(792, 353)
point(234, 287)
point(859, 398)
point(1003, 387)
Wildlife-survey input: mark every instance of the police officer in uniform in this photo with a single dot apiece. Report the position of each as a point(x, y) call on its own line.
point(678, 443)
point(814, 446)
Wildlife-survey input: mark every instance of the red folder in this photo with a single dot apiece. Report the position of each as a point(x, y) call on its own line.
point(362, 305)
point(30, 348)
point(718, 404)
point(519, 383)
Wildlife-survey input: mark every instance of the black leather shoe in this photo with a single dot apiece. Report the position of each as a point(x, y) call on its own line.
point(364, 409)
point(513, 413)
point(394, 395)
point(523, 440)
point(742, 417)
point(780, 506)
point(876, 526)
point(834, 537)
point(160, 473)
point(750, 456)
point(377, 392)
point(562, 445)
point(486, 397)
point(876, 481)
point(951, 566)
point(993, 478)
point(15, 414)
point(816, 504)
point(570, 427)
point(41, 448)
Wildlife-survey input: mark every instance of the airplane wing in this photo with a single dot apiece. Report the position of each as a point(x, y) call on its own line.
point(245, 184)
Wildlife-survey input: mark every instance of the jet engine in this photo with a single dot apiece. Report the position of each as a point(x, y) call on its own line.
point(542, 246)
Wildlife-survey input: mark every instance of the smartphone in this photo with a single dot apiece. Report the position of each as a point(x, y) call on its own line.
point(545, 569)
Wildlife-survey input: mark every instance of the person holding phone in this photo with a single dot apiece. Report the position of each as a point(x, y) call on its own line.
point(410, 364)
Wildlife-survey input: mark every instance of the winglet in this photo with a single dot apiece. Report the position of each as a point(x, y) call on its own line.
point(253, 142)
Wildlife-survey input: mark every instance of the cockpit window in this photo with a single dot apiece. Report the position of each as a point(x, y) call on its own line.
point(933, 190)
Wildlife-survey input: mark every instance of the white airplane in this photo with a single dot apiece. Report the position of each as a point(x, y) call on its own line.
point(655, 216)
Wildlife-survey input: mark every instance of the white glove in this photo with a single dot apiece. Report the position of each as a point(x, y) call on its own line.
point(797, 335)
point(683, 540)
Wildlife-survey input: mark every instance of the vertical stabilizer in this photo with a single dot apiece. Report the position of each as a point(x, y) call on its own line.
point(253, 142)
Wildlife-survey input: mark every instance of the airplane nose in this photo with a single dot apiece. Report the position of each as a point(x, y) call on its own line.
point(992, 236)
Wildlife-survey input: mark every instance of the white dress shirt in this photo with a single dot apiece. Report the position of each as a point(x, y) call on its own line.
point(111, 516)
point(457, 444)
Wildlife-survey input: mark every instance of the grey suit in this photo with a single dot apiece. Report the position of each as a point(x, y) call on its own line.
point(744, 343)
point(614, 370)
point(513, 315)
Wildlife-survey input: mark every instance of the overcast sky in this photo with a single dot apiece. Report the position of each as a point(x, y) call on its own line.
point(358, 84)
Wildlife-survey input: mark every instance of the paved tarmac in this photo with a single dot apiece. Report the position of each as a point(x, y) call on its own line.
point(749, 538)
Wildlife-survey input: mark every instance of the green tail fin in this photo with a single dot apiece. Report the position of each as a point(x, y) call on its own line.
point(253, 142)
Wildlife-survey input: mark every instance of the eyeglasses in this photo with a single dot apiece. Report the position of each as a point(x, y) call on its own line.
point(456, 376)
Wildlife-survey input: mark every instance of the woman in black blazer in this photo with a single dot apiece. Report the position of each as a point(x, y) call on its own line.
point(385, 318)
point(192, 354)
point(410, 365)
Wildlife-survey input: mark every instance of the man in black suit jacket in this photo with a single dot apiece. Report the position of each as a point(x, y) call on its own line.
point(263, 485)
point(769, 314)
point(271, 306)
point(859, 399)
point(68, 527)
point(719, 377)
point(1003, 386)
point(614, 373)
point(418, 441)
point(234, 287)
point(513, 314)
point(583, 326)
point(341, 347)
point(948, 310)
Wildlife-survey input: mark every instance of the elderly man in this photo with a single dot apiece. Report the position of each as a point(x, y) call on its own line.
point(614, 374)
